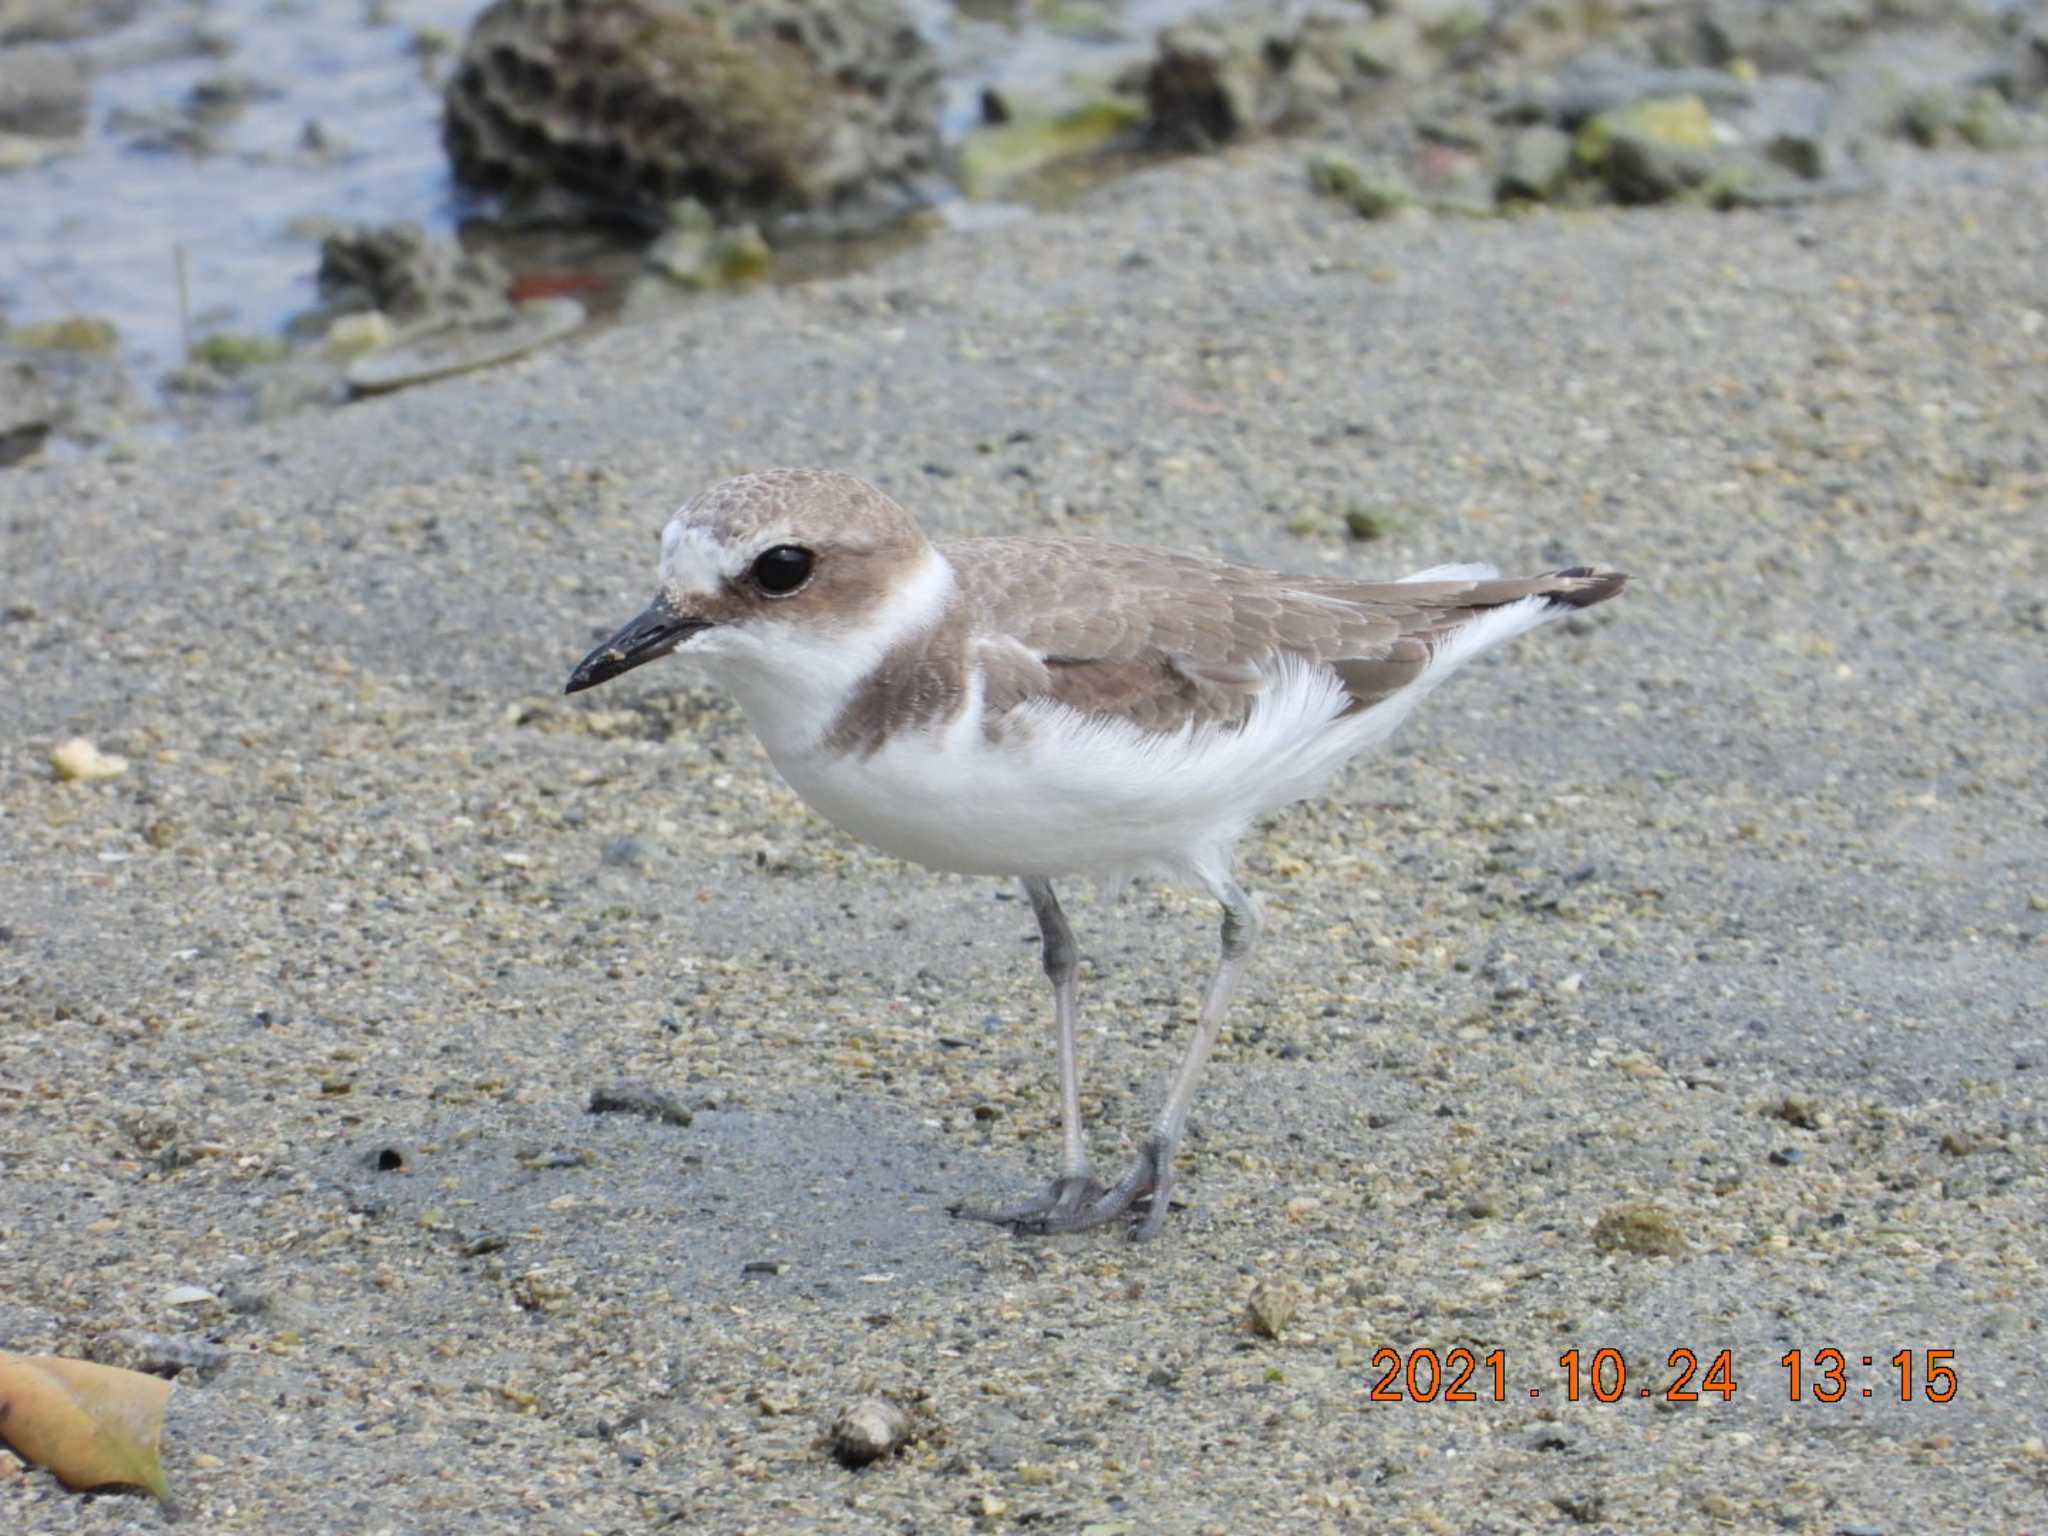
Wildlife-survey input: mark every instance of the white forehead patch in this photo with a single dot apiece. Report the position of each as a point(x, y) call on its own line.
point(691, 559)
point(694, 559)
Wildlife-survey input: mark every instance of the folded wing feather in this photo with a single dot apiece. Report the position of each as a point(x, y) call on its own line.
point(1166, 640)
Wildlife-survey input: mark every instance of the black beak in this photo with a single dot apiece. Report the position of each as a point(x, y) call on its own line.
point(656, 632)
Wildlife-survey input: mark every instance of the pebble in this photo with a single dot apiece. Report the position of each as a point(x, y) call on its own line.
point(159, 1354)
point(638, 1099)
point(78, 759)
point(1644, 1230)
point(868, 1430)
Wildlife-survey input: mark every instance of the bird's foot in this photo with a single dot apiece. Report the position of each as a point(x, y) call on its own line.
point(1062, 1198)
point(1081, 1206)
point(1150, 1175)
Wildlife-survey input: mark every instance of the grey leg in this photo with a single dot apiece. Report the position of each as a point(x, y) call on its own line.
point(1060, 959)
point(1073, 1189)
point(1152, 1171)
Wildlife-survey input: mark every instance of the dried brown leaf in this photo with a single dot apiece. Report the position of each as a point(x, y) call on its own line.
point(94, 1426)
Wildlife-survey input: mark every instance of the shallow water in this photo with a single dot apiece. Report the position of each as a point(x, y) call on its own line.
point(103, 232)
point(99, 232)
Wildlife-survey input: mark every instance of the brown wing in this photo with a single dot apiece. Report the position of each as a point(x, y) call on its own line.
point(1162, 639)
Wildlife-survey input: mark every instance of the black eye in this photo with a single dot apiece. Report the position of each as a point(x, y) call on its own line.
point(781, 570)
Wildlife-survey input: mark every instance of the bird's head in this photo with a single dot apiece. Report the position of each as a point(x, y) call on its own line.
point(770, 574)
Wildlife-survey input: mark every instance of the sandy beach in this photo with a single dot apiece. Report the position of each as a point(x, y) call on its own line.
point(1674, 983)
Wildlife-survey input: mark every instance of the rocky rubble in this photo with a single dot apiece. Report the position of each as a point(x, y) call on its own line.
point(1734, 101)
point(59, 378)
point(405, 273)
point(398, 305)
point(1217, 80)
point(401, 306)
point(734, 128)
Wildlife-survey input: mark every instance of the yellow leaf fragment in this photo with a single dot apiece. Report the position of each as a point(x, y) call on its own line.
point(94, 1426)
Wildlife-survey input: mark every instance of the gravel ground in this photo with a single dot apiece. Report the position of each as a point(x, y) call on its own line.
point(1713, 922)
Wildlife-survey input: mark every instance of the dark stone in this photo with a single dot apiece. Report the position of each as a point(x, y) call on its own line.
point(638, 1099)
point(42, 92)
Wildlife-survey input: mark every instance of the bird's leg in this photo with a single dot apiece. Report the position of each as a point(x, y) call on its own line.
point(1073, 1189)
point(1152, 1170)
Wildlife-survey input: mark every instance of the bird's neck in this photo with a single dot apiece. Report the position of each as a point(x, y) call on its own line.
point(797, 691)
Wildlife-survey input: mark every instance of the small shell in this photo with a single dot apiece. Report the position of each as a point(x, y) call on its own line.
point(1271, 1307)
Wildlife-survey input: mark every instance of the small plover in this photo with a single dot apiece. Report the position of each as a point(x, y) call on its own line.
point(1041, 707)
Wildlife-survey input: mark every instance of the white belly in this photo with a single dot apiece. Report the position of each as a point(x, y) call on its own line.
point(1055, 793)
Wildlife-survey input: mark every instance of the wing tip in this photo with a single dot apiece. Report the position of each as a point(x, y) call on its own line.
point(1581, 586)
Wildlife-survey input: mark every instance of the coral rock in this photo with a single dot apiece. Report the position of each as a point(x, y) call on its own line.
point(752, 108)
